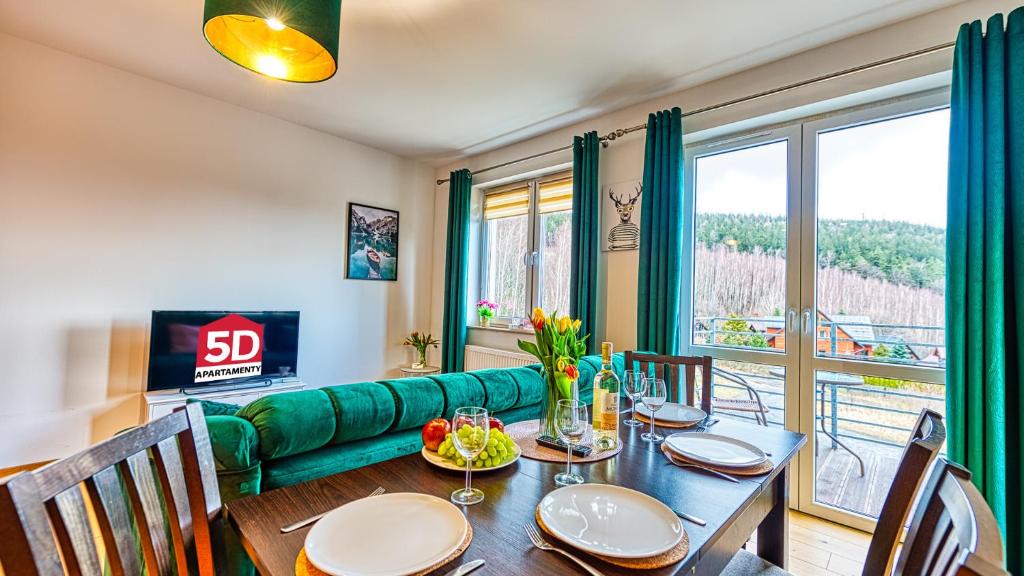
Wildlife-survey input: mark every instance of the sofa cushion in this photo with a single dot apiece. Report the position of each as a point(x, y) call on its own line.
point(339, 458)
point(529, 384)
point(519, 414)
point(460, 389)
point(417, 401)
point(213, 408)
point(500, 388)
point(234, 441)
point(362, 410)
point(291, 422)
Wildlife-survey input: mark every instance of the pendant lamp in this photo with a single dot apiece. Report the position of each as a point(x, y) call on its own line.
point(294, 40)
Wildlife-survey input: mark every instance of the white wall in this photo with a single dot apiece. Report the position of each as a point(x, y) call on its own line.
point(120, 195)
point(623, 159)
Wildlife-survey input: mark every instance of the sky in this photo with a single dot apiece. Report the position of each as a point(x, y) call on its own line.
point(889, 170)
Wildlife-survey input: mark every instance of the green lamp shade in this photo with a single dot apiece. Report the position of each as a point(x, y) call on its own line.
point(294, 40)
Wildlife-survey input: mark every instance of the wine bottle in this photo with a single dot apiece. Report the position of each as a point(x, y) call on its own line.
point(606, 402)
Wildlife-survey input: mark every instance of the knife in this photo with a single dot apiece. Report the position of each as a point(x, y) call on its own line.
point(466, 568)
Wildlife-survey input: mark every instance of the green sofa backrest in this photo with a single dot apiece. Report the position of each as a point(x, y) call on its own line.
point(295, 422)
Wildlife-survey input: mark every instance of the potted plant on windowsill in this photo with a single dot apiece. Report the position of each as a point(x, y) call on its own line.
point(559, 348)
point(486, 309)
point(420, 342)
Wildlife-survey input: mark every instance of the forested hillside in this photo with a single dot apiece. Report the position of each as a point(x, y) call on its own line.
point(897, 252)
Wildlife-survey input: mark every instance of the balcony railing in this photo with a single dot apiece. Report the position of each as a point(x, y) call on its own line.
point(914, 344)
point(873, 414)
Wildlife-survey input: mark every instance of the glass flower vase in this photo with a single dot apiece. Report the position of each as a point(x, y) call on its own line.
point(549, 400)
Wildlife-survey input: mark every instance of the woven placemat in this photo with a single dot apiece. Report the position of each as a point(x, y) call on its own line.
point(675, 554)
point(643, 418)
point(525, 434)
point(762, 468)
point(303, 567)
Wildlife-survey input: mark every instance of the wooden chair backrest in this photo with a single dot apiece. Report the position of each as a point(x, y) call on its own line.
point(667, 368)
point(135, 503)
point(953, 530)
point(921, 450)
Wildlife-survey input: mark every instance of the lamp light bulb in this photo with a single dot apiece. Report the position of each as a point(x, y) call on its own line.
point(275, 24)
point(271, 66)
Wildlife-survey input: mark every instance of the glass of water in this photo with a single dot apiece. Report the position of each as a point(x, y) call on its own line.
point(571, 423)
point(635, 383)
point(654, 399)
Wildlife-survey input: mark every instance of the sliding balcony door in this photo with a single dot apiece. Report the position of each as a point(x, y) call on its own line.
point(872, 298)
point(817, 255)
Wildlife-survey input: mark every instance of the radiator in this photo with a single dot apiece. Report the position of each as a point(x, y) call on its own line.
point(478, 357)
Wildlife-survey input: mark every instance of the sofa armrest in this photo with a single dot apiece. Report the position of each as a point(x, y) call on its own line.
point(236, 453)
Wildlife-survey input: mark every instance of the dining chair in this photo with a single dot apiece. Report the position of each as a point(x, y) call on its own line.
point(926, 439)
point(149, 493)
point(752, 403)
point(953, 530)
point(667, 368)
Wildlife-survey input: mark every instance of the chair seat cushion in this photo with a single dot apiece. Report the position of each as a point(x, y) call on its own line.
point(746, 564)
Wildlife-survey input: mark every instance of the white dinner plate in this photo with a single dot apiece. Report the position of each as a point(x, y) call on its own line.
point(610, 521)
point(442, 462)
point(388, 535)
point(675, 413)
point(715, 450)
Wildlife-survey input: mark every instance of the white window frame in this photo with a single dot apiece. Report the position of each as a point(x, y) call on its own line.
point(533, 241)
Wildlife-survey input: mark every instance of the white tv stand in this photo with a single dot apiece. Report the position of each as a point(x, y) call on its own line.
point(164, 402)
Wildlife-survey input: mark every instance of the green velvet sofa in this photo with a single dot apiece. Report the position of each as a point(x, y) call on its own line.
point(292, 437)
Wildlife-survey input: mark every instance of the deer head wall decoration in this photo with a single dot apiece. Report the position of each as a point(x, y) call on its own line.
point(625, 209)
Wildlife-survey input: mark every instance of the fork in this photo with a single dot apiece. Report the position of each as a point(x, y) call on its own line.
point(539, 542)
point(311, 519)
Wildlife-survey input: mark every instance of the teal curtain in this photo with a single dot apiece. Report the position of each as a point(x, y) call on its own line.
point(586, 195)
point(661, 235)
point(985, 268)
point(456, 272)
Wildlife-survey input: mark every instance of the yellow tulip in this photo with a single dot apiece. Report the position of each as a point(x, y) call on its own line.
point(563, 324)
point(576, 325)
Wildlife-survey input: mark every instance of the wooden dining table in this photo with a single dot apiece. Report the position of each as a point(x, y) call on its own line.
point(732, 511)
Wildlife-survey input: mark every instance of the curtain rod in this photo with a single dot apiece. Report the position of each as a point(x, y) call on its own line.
point(744, 99)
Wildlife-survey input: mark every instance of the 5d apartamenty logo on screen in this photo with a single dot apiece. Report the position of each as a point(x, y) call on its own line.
point(229, 347)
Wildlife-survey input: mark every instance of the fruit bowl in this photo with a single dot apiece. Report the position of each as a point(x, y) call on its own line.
point(501, 451)
point(442, 462)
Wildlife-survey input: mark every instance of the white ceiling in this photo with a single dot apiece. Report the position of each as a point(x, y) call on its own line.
point(439, 78)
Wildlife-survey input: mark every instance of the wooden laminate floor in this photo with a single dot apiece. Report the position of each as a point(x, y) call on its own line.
point(821, 548)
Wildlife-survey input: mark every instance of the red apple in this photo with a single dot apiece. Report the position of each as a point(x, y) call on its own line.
point(433, 433)
point(496, 424)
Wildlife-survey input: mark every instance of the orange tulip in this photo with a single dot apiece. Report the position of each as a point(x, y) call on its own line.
point(572, 372)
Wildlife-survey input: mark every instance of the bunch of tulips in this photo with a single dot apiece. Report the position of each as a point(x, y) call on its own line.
point(559, 348)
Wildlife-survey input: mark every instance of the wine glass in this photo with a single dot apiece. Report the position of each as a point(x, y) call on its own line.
point(470, 431)
point(571, 423)
point(654, 399)
point(636, 385)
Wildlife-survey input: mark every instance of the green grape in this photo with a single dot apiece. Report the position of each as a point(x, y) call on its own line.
point(492, 441)
point(492, 451)
point(477, 464)
point(502, 450)
point(460, 462)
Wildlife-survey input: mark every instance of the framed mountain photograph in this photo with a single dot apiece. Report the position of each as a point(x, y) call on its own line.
point(372, 243)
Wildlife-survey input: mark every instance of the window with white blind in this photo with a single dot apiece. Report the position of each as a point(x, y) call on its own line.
point(527, 239)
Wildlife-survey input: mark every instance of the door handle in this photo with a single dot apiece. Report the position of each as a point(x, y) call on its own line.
point(791, 320)
point(807, 321)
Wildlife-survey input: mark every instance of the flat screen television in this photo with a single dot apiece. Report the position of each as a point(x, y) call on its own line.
point(196, 349)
